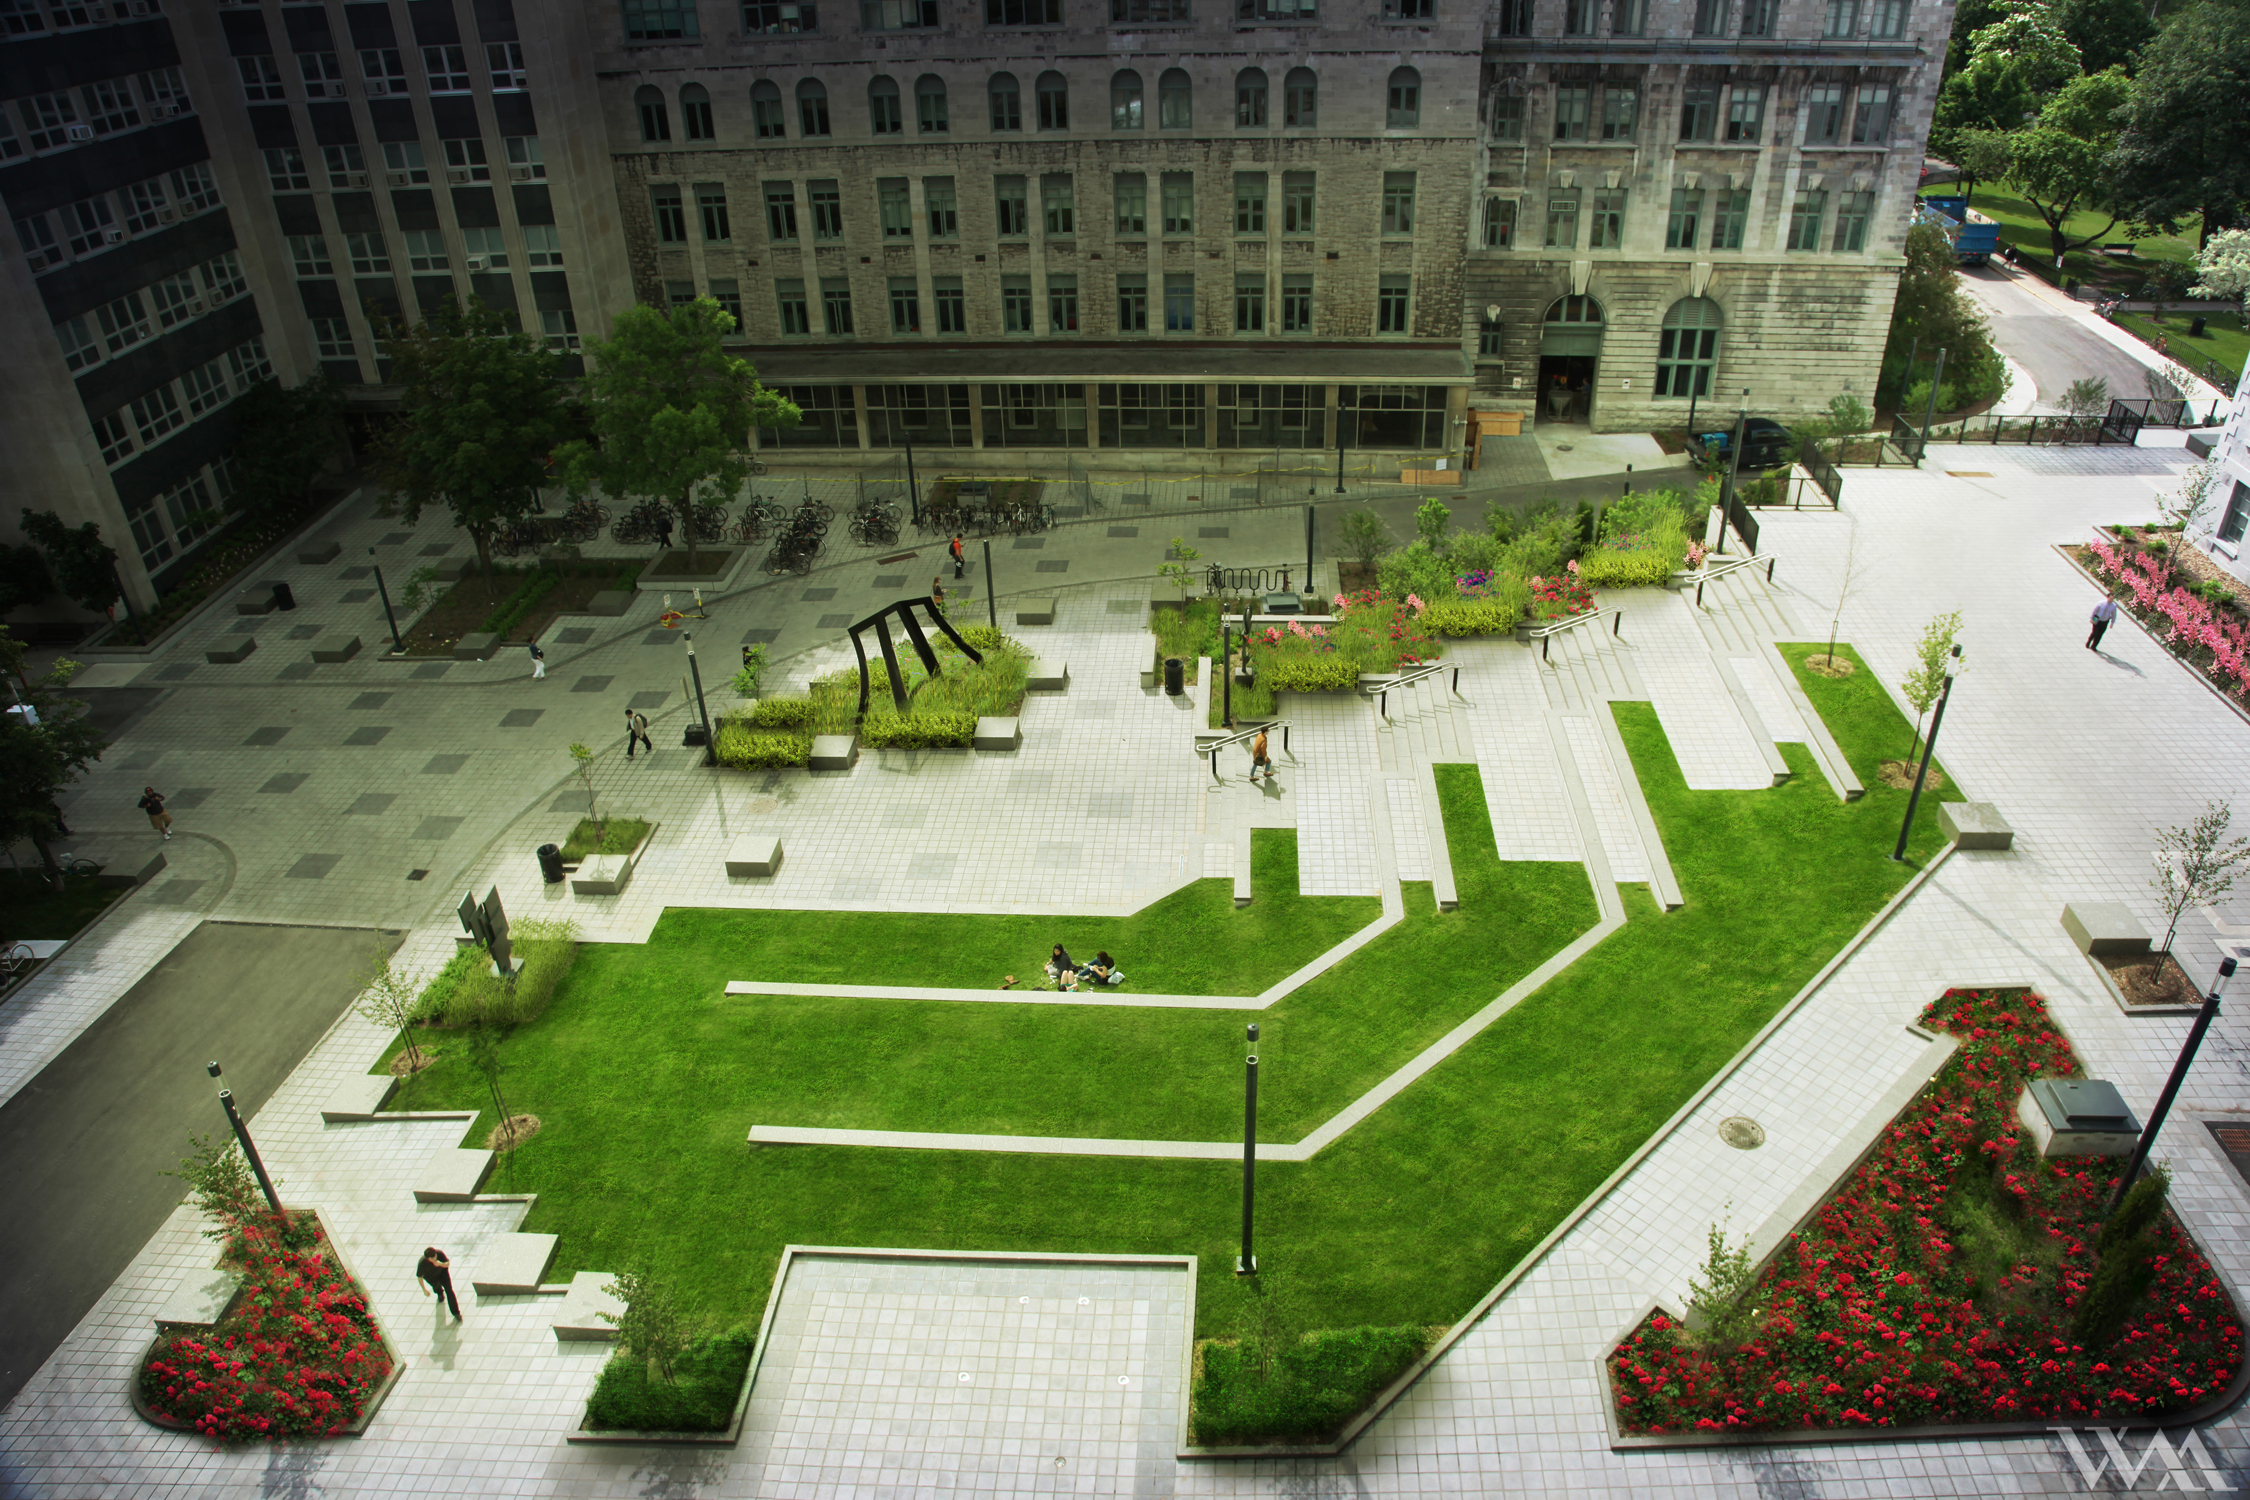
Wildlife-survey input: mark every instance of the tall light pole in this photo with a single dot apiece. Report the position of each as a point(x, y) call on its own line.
point(2203, 1020)
point(913, 490)
point(1343, 410)
point(249, 1147)
point(1247, 1264)
point(1929, 748)
point(710, 751)
point(398, 647)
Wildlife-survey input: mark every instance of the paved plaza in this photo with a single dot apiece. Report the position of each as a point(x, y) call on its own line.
point(372, 793)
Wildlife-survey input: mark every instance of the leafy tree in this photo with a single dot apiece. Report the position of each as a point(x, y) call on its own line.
point(1969, 18)
point(482, 412)
point(1180, 571)
point(225, 1190)
point(1926, 682)
point(2223, 268)
point(83, 567)
point(582, 761)
point(389, 1001)
point(2032, 36)
point(2196, 864)
point(2013, 62)
point(1433, 523)
point(1719, 1295)
point(2088, 397)
point(12, 657)
point(1981, 155)
point(2181, 153)
point(286, 438)
point(1991, 93)
point(2107, 33)
point(1363, 537)
point(23, 577)
point(37, 761)
point(1932, 312)
point(2189, 505)
point(671, 411)
point(2061, 163)
point(652, 1325)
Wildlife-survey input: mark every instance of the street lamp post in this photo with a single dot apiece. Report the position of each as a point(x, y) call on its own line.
point(2203, 1020)
point(1343, 410)
point(1929, 749)
point(1247, 1264)
point(398, 647)
point(710, 751)
point(913, 490)
point(249, 1147)
point(1226, 674)
point(991, 595)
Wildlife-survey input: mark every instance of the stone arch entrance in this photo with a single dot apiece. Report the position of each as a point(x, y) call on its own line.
point(1570, 349)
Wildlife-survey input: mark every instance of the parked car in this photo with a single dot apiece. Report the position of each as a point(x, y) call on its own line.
point(1766, 444)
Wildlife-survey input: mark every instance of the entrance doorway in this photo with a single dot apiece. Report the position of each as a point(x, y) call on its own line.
point(1570, 346)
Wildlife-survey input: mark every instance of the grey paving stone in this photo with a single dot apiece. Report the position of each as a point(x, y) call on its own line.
point(1030, 543)
point(371, 700)
point(270, 735)
point(1137, 501)
point(312, 867)
point(244, 627)
point(370, 804)
point(1029, 783)
point(352, 575)
point(356, 596)
point(833, 622)
point(437, 549)
point(1054, 565)
point(303, 632)
point(592, 684)
point(760, 637)
point(1124, 606)
point(189, 797)
point(1057, 857)
point(521, 718)
point(431, 671)
point(817, 596)
point(568, 802)
point(141, 761)
point(931, 866)
point(175, 892)
point(642, 702)
point(179, 673)
point(371, 734)
point(394, 539)
point(1110, 805)
point(905, 815)
point(1213, 531)
point(444, 765)
point(856, 888)
point(437, 830)
point(1118, 532)
point(661, 638)
point(296, 671)
point(1069, 512)
point(891, 581)
point(285, 783)
point(577, 635)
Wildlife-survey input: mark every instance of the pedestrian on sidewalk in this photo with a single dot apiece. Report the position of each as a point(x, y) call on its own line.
point(538, 662)
point(152, 803)
point(664, 528)
point(636, 730)
point(955, 549)
point(56, 808)
point(2104, 612)
point(937, 595)
point(435, 1272)
point(1258, 757)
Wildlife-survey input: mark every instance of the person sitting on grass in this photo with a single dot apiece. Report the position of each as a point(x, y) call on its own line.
point(1103, 970)
point(1059, 964)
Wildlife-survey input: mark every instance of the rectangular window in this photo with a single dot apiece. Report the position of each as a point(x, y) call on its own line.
point(659, 20)
point(37, 236)
point(1014, 211)
point(1609, 221)
point(1871, 122)
point(1131, 192)
point(1062, 304)
point(1179, 203)
point(156, 414)
point(1852, 213)
point(81, 346)
point(1513, 18)
point(488, 246)
point(883, 113)
point(1023, 12)
point(189, 507)
point(778, 18)
point(836, 305)
point(1687, 216)
point(333, 338)
point(1277, 10)
point(789, 296)
point(249, 362)
point(1842, 18)
point(2237, 516)
point(322, 73)
point(812, 113)
point(1054, 102)
point(175, 299)
point(109, 104)
point(767, 118)
point(906, 305)
point(542, 245)
point(504, 61)
point(1015, 304)
point(1804, 219)
point(384, 68)
point(1621, 108)
point(941, 208)
point(1573, 102)
point(1132, 302)
point(425, 250)
point(894, 208)
point(1890, 20)
point(952, 308)
point(148, 532)
point(346, 167)
point(403, 160)
point(164, 91)
point(1296, 304)
point(1390, 304)
point(261, 78)
point(369, 255)
point(559, 327)
point(48, 118)
point(1499, 223)
point(711, 205)
point(223, 278)
point(1507, 117)
point(206, 387)
point(448, 68)
point(1296, 203)
point(1409, 10)
point(1699, 112)
point(1628, 18)
point(285, 169)
point(464, 161)
point(1061, 209)
point(1758, 17)
point(1578, 17)
point(1179, 303)
point(1710, 17)
point(1562, 221)
point(1149, 12)
point(145, 204)
point(897, 15)
point(781, 213)
point(123, 322)
point(1249, 302)
point(1249, 203)
point(114, 437)
point(1007, 104)
point(1746, 113)
point(827, 208)
point(88, 225)
point(1125, 101)
point(671, 213)
point(1824, 114)
point(526, 163)
point(1398, 203)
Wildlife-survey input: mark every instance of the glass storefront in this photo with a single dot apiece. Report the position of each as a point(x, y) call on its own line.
point(1152, 416)
point(935, 415)
point(1396, 416)
point(831, 421)
point(1272, 416)
point(1034, 416)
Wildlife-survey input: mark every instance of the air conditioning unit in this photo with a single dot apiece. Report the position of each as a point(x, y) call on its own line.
point(162, 111)
point(358, 179)
point(520, 174)
point(113, 236)
point(166, 215)
point(377, 87)
point(195, 308)
point(456, 174)
point(476, 262)
point(80, 132)
point(42, 259)
point(400, 179)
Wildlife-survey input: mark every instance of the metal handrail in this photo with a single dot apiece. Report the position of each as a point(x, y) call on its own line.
point(1731, 565)
point(1237, 738)
point(1547, 633)
point(1417, 675)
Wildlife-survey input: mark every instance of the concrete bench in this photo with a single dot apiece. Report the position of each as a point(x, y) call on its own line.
point(610, 602)
point(254, 602)
point(602, 875)
point(452, 572)
point(199, 1302)
point(237, 651)
point(359, 1098)
point(452, 1176)
point(579, 1318)
point(1036, 612)
point(132, 871)
point(1048, 677)
point(754, 854)
point(510, 1265)
point(478, 645)
point(2104, 929)
point(1975, 825)
point(337, 647)
point(835, 752)
point(314, 556)
point(999, 734)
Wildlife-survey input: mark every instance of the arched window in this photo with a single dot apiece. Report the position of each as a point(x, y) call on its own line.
point(1250, 99)
point(1125, 100)
point(656, 120)
point(766, 112)
point(1574, 309)
point(812, 107)
point(695, 112)
point(1007, 102)
point(882, 106)
point(1687, 352)
point(1405, 109)
point(1300, 99)
point(1054, 102)
point(929, 104)
point(1175, 100)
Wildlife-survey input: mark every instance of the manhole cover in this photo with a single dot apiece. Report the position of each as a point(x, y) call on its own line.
point(1742, 1133)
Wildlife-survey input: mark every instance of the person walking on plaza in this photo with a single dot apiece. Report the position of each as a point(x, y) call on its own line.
point(636, 731)
point(955, 549)
point(664, 528)
point(2104, 612)
point(152, 803)
point(435, 1272)
point(538, 662)
point(1259, 758)
point(937, 595)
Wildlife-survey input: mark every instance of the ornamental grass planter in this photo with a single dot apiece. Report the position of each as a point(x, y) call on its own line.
point(723, 1437)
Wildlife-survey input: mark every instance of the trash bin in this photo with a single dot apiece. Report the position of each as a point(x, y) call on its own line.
point(282, 598)
point(2195, 327)
point(1175, 676)
point(693, 735)
point(550, 864)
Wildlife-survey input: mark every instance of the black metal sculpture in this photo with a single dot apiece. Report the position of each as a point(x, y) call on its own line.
point(904, 609)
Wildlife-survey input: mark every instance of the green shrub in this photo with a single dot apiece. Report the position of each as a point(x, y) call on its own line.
point(520, 603)
point(618, 836)
point(782, 713)
point(887, 730)
point(710, 1373)
point(1329, 672)
point(742, 748)
point(1609, 568)
point(465, 993)
point(437, 995)
point(982, 638)
point(1474, 616)
point(1306, 1389)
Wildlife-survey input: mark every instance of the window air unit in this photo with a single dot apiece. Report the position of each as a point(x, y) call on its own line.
point(166, 215)
point(476, 262)
point(399, 179)
point(113, 236)
point(457, 174)
point(81, 132)
point(520, 174)
point(376, 86)
point(195, 309)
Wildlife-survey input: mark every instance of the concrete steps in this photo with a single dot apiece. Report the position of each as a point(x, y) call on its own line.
point(1586, 667)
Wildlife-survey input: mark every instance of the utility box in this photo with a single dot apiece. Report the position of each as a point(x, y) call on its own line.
point(2077, 1117)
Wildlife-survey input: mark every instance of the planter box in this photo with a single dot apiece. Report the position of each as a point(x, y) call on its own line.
point(1048, 677)
point(335, 648)
point(999, 734)
point(1975, 825)
point(313, 557)
point(725, 1437)
point(602, 875)
point(2104, 929)
point(610, 602)
point(229, 655)
point(477, 646)
point(2117, 992)
point(1036, 612)
point(124, 875)
point(754, 854)
point(834, 752)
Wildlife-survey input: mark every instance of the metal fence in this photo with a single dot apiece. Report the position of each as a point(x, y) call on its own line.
point(2170, 411)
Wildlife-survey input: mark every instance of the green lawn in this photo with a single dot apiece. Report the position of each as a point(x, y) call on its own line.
point(2022, 227)
point(30, 907)
point(2223, 343)
point(648, 1078)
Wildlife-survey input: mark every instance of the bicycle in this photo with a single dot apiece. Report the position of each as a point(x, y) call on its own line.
point(875, 527)
point(710, 523)
point(586, 520)
point(16, 961)
point(71, 864)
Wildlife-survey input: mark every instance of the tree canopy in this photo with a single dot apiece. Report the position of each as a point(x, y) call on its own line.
point(1932, 312)
point(2061, 163)
point(37, 761)
point(286, 437)
point(83, 566)
point(2182, 153)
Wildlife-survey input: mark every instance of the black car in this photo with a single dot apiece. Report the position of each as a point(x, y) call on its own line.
point(1766, 444)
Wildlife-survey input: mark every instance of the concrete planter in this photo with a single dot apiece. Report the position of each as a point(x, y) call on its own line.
point(834, 752)
point(313, 557)
point(608, 874)
point(725, 1437)
point(754, 854)
point(1036, 612)
point(333, 648)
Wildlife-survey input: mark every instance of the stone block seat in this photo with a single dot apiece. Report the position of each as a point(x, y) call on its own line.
point(2104, 929)
point(454, 571)
point(999, 734)
point(324, 552)
point(835, 752)
point(579, 1317)
point(754, 854)
point(358, 1098)
point(602, 875)
point(132, 871)
point(1036, 612)
point(478, 645)
point(199, 1302)
point(511, 1265)
point(452, 1176)
point(1048, 677)
point(254, 602)
point(1975, 825)
point(610, 602)
point(235, 651)
point(335, 647)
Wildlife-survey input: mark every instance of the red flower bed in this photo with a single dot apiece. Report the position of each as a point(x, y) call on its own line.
point(299, 1355)
point(1937, 1286)
point(1560, 597)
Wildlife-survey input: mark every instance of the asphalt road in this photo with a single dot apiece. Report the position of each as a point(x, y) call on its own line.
point(2052, 346)
point(83, 1146)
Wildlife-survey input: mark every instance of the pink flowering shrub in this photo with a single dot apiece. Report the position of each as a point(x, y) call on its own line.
point(2184, 621)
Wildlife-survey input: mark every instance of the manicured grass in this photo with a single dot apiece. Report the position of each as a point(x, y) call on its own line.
point(30, 906)
point(2223, 343)
point(648, 1079)
point(2022, 227)
point(618, 836)
point(1860, 714)
point(1300, 1388)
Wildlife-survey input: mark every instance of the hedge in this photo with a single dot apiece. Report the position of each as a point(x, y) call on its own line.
point(782, 713)
point(1331, 672)
point(925, 731)
point(1640, 567)
point(742, 748)
point(1472, 617)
